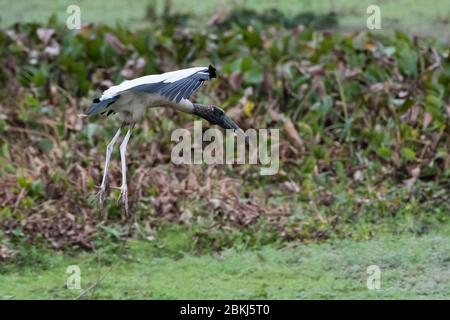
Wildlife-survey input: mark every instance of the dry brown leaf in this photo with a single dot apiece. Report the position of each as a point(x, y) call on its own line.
point(235, 81)
point(292, 133)
point(427, 118)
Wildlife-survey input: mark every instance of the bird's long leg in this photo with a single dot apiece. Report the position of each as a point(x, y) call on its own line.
point(123, 150)
point(109, 149)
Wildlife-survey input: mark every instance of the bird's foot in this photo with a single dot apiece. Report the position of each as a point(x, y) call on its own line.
point(101, 195)
point(124, 197)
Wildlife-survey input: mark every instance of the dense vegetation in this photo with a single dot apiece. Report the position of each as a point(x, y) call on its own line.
point(364, 121)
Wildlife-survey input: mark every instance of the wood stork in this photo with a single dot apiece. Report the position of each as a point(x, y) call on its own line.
point(130, 99)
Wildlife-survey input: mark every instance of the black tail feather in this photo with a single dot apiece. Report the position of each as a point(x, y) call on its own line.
point(100, 106)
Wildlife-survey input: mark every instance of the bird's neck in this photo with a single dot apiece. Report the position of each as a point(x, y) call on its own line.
point(202, 111)
point(186, 106)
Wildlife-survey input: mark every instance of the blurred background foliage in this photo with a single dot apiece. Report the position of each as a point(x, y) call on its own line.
point(364, 120)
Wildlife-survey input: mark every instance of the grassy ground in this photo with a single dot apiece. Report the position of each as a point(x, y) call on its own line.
point(415, 16)
point(411, 268)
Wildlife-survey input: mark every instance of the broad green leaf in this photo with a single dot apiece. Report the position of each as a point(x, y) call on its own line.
point(45, 145)
point(385, 153)
point(408, 154)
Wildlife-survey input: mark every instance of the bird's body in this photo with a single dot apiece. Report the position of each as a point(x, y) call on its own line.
point(131, 98)
point(131, 106)
point(170, 89)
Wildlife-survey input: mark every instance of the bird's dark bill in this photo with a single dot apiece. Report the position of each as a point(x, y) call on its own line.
point(228, 123)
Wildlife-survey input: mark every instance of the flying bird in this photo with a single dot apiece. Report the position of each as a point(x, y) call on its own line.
point(130, 99)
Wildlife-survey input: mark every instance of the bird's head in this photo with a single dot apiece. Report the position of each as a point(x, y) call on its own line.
point(216, 115)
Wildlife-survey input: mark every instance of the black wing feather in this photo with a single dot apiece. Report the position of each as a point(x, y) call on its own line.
point(187, 92)
point(184, 91)
point(171, 91)
point(180, 89)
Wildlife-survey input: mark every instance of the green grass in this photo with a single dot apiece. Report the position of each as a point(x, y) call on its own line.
point(415, 16)
point(411, 268)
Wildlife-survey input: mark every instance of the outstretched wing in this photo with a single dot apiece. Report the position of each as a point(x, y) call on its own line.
point(174, 85)
point(181, 88)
